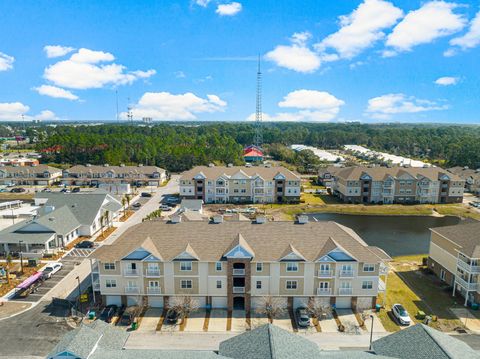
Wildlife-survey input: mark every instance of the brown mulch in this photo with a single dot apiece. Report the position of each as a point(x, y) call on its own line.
point(105, 234)
point(126, 216)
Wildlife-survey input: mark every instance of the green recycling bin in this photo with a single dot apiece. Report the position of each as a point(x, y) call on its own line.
point(475, 306)
point(134, 325)
point(378, 307)
point(91, 315)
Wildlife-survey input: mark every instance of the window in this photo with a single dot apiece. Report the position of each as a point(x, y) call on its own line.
point(367, 284)
point(218, 266)
point(369, 267)
point(186, 284)
point(153, 284)
point(219, 284)
point(259, 267)
point(259, 284)
point(442, 274)
point(185, 266)
point(292, 267)
point(291, 284)
point(109, 266)
point(111, 283)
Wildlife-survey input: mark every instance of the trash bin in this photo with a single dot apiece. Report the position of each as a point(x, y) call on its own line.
point(475, 306)
point(421, 315)
point(91, 315)
point(134, 325)
point(378, 307)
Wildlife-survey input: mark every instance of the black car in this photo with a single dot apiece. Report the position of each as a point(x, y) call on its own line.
point(137, 205)
point(76, 190)
point(18, 190)
point(108, 312)
point(146, 194)
point(303, 319)
point(172, 316)
point(84, 244)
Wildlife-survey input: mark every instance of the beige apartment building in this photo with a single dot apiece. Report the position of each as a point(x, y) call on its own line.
point(234, 264)
point(454, 257)
point(94, 175)
point(32, 175)
point(241, 184)
point(471, 177)
point(359, 184)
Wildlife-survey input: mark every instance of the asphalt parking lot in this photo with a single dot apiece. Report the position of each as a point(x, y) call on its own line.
point(34, 332)
point(68, 265)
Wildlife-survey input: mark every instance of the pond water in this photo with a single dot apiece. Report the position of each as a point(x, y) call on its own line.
point(396, 235)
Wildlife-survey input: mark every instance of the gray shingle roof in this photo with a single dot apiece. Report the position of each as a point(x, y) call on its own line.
point(154, 354)
point(210, 241)
point(422, 342)
point(466, 235)
point(61, 220)
point(267, 173)
point(85, 206)
point(268, 341)
point(381, 173)
point(142, 170)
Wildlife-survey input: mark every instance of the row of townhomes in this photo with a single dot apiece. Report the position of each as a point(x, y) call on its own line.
point(233, 264)
point(99, 340)
point(471, 177)
point(235, 184)
point(93, 175)
point(359, 184)
point(44, 175)
point(29, 175)
point(455, 258)
point(60, 219)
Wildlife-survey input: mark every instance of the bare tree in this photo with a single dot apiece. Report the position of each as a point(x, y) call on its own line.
point(364, 315)
point(350, 327)
point(184, 306)
point(319, 310)
point(270, 306)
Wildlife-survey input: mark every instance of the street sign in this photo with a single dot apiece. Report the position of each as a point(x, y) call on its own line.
point(84, 298)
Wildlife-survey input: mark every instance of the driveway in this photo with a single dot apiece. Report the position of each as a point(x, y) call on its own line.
point(34, 332)
point(239, 321)
point(150, 320)
point(258, 320)
point(195, 321)
point(284, 321)
point(218, 320)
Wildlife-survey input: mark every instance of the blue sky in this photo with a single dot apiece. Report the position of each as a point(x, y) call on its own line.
point(371, 60)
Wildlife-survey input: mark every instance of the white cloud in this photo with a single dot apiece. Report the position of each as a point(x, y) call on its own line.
point(57, 51)
point(13, 111)
point(470, 40)
point(180, 75)
point(56, 92)
point(84, 70)
point(230, 9)
point(384, 106)
point(447, 81)
point(297, 56)
point(362, 28)
point(6, 62)
point(312, 105)
point(167, 106)
point(202, 3)
point(433, 20)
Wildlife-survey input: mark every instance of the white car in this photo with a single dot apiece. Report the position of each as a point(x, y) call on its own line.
point(51, 269)
point(401, 314)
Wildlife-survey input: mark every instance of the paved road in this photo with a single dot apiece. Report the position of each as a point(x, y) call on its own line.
point(152, 205)
point(32, 333)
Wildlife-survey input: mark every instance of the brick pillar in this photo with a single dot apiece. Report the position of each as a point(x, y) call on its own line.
point(332, 301)
point(354, 303)
point(248, 282)
point(229, 284)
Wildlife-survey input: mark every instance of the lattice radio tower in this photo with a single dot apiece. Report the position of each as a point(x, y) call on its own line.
point(258, 139)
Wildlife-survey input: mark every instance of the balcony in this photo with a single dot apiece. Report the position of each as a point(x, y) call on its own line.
point(463, 283)
point(346, 273)
point(96, 286)
point(238, 290)
point(154, 290)
point(324, 291)
point(131, 290)
point(131, 272)
point(238, 271)
point(152, 273)
point(344, 291)
point(467, 267)
point(325, 273)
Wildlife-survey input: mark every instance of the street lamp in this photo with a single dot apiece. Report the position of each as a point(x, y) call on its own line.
point(79, 292)
point(21, 256)
point(371, 332)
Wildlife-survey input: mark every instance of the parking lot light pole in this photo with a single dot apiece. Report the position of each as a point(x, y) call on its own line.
point(79, 293)
point(21, 256)
point(371, 332)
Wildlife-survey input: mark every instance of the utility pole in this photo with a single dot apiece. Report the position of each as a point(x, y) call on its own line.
point(21, 256)
point(79, 294)
point(258, 139)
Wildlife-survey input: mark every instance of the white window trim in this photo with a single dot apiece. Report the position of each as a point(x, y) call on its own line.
point(291, 270)
point(110, 264)
point(111, 283)
point(261, 267)
point(291, 281)
point(219, 282)
point(367, 265)
point(216, 266)
point(186, 270)
point(367, 282)
point(256, 284)
point(186, 281)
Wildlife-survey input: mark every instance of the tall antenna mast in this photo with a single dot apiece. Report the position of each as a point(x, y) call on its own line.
point(129, 112)
point(258, 139)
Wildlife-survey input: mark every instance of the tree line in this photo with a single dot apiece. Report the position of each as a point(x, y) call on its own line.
point(178, 147)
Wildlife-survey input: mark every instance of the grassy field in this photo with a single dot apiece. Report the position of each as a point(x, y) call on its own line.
point(7, 196)
point(410, 286)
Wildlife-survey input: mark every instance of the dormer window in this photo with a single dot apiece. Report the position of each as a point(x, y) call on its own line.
point(292, 267)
